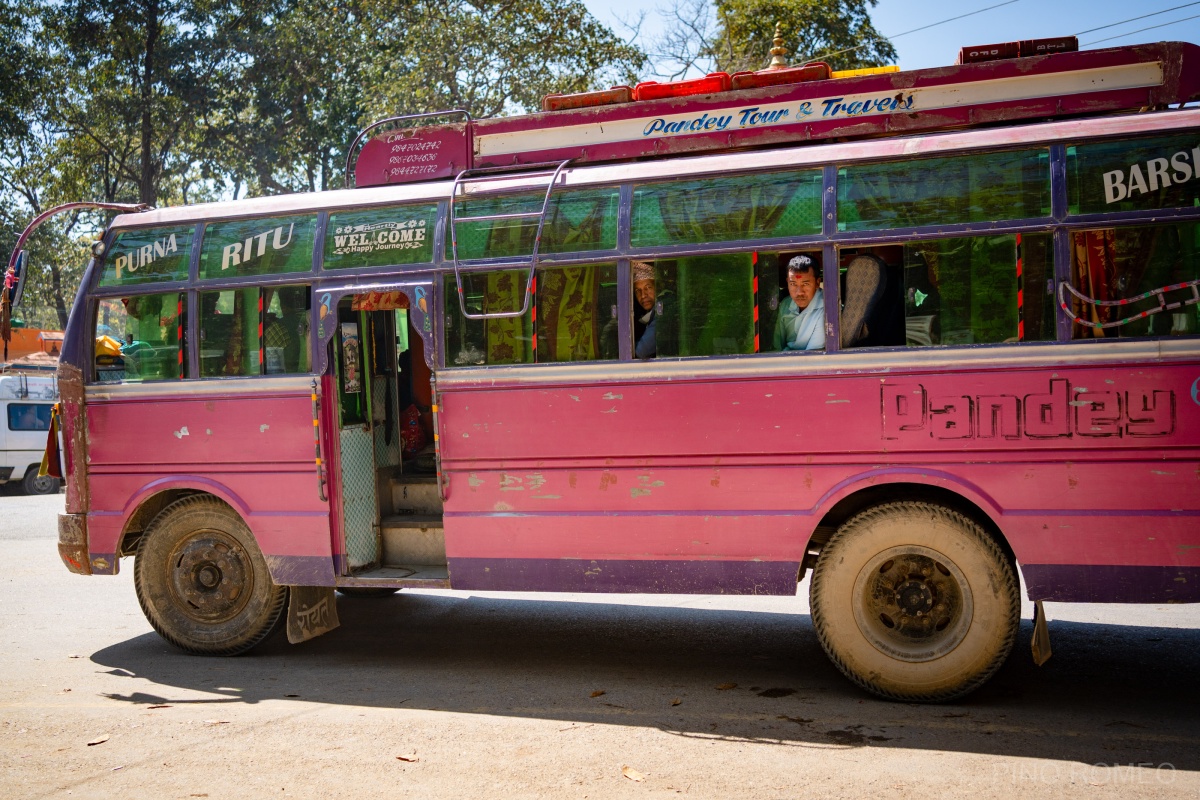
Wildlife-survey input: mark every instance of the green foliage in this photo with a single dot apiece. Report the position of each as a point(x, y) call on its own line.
point(836, 31)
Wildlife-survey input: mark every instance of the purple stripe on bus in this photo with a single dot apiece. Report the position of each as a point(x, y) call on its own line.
point(624, 576)
point(1111, 583)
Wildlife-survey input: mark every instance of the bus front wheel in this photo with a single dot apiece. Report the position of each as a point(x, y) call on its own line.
point(915, 602)
point(202, 582)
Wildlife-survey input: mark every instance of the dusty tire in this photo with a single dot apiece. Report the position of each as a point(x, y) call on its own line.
point(202, 582)
point(32, 484)
point(366, 592)
point(915, 602)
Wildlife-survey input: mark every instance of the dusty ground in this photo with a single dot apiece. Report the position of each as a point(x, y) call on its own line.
point(438, 694)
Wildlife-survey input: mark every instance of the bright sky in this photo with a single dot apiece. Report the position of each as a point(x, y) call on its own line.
point(1014, 20)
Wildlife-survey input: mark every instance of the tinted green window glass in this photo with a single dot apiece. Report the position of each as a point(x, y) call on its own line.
point(702, 306)
point(964, 291)
point(380, 237)
point(229, 331)
point(257, 247)
point(576, 317)
point(141, 338)
point(725, 209)
point(577, 221)
point(1121, 263)
point(1134, 174)
point(944, 191)
point(152, 255)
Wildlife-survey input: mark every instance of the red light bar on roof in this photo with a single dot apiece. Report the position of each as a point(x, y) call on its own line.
point(1021, 49)
point(602, 97)
point(815, 71)
point(653, 90)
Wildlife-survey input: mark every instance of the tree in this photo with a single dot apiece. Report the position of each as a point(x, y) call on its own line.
point(491, 57)
point(735, 35)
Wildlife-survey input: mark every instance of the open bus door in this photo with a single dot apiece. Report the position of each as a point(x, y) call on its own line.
point(386, 501)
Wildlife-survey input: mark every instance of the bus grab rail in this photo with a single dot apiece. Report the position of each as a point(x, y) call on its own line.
point(401, 118)
point(494, 174)
point(1163, 305)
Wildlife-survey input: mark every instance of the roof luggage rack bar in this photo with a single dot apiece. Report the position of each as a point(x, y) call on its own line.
point(483, 174)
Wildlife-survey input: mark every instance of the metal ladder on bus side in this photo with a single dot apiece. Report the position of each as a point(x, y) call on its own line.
point(492, 174)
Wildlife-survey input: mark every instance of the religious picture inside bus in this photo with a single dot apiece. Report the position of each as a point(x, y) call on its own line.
point(141, 338)
point(254, 331)
point(572, 317)
point(1112, 264)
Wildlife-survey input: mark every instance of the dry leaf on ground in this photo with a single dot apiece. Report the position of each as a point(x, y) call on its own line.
point(597, 693)
point(632, 774)
point(724, 686)
point(98, 740)
point(216, 722)
point(676, 701)
point(408, 759)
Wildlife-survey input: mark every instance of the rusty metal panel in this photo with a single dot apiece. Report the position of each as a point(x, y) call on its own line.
point(73, 543)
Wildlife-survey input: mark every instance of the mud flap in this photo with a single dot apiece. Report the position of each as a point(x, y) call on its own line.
point(1041, 635)
point(312, 611)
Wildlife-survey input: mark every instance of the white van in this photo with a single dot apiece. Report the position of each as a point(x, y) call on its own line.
point(25, 403)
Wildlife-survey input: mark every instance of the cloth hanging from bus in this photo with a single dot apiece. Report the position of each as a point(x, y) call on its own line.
point(1094, 256)
point(567, 314)
point(509, 339)
point(51, 462)
point(379, 301)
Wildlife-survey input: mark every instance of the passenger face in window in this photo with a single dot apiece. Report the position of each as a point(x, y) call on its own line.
point(645, 294)
point(802, 286)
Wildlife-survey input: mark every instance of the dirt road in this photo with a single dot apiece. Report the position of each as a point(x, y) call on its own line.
point(438, 694)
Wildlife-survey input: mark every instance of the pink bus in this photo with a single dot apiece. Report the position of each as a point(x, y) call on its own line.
point(914, 332)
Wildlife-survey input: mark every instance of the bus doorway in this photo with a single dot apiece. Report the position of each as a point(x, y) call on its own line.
point(391, 510)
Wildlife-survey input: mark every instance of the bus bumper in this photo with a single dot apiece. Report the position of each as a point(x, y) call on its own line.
point(73, 543)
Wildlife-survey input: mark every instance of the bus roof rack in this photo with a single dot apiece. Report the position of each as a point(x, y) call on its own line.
point(1030, 80)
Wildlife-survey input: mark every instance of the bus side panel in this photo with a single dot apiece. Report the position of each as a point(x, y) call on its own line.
point(1080, 468)
point(254, 452)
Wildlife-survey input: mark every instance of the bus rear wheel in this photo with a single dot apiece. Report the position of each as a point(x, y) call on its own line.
point(915, 602)
point(202, 582)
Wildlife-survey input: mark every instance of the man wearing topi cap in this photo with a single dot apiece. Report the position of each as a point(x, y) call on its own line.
point(645, 313)
point(801, 323)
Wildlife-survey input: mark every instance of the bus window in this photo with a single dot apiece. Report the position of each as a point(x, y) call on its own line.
point(141, 338)
point(1141, 174)
point(698, 306)
point(230, 326)
point(582, 220)
point(575, 317)
point(729, 208)
point(1111, 264)
point(982, 188)
point(981, 289)
point(380, 237)
point(149, 255)
point(257, 247)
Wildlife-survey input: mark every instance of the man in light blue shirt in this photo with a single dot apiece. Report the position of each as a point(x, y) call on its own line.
point(801, 323)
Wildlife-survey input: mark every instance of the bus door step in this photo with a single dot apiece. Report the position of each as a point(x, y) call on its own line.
point(412, 576)
point(413, 539)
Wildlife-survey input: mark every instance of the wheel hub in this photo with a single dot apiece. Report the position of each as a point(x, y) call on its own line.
point(915, 605)
point(211, 576)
